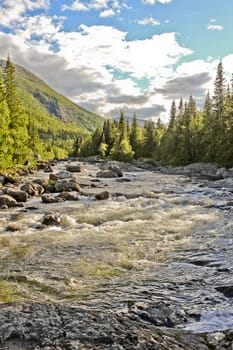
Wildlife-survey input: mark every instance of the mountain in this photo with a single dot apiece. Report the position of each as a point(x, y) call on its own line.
point(46, 103)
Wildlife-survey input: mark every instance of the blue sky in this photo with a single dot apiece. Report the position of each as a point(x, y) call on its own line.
point(121, 55)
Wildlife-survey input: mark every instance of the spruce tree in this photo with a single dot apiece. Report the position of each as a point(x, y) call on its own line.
point(136, 137)
point(6, 142)
point(18, 119)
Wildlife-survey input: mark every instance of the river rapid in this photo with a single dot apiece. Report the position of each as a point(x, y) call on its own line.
point(157, 239)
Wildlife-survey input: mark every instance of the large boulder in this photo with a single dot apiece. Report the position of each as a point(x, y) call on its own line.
point(49, 198)
point(206, 170)
point(74, 168)
point(33, 189)
point(69, 196)
point(64, 175)
point(18, 195)
point(67, 186)
point(107, 174)
point(7, 201)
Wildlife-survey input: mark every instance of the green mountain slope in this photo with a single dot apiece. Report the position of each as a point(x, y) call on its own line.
point(46, 103)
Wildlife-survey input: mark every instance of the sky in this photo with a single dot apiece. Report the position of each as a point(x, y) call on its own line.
point(109, 56)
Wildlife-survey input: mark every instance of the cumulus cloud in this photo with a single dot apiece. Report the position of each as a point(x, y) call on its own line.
point(151, 21)
point(107, 13)
point(217, 27)
point(107, 7)
point(12, 10)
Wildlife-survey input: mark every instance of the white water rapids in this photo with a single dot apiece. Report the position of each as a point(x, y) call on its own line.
point(158, 237)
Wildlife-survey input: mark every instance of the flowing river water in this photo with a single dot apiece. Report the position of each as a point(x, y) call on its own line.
point(158, 238)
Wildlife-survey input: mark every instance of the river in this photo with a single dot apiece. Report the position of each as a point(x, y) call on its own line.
point(158, 238)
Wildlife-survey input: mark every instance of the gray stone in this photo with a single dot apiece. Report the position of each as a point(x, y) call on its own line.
point(67, 186)
point(64, 175)
point(49, 198)
point(107, 174)
point(33, 189)
point(18, 195)
point(74, 168)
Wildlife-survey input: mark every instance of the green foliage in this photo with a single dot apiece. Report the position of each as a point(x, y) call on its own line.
point(36, 121)
point(190, 136)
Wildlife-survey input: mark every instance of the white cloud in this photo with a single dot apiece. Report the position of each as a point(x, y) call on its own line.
point(76, 6)
point(217, 27)
point(152, 21)
point(12, 10)
point(107, 13)
point(152, 2)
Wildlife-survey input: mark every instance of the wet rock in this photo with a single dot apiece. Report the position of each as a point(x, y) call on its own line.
point(43, 326)
point(48, 169)
point(8, 179)
point(74, 168)
point(51, 219)
point(224, 183)
point(33, 189)
point(215, 339)
point(18, 195)
point(53, 177)
point(68, 196)
point(2, 180)
point(160, 314)
point(13, 228)
point(8, 201)
point(227, 291)
point(39, 181)
point(49, 198)
point(123, 179)
point(67, 186)
point(64, 175)
point(102, 195)
point(202, 170)
point(116, 169)
point(107, 174)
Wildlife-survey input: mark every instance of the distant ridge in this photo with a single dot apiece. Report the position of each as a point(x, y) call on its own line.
point(46, 101)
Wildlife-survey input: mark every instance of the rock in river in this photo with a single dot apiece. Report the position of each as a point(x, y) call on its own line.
point(102, 195)
point(18, 195)
point(52, 219)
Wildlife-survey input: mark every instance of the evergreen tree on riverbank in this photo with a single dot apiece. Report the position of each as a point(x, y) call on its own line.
point(18, 120)
point(191, 135)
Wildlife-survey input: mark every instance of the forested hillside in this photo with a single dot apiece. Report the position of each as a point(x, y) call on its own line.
point(36, 121)
point(192, 135)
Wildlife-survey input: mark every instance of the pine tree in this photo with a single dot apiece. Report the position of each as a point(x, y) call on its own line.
point(18, 119)
point(172, 115)
point(5, 139)
point(136, 137)
point(149, 142)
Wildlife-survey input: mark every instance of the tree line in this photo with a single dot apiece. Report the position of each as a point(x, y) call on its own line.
point(191, 135)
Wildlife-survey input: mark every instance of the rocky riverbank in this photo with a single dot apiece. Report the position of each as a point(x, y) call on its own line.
point(116, 256)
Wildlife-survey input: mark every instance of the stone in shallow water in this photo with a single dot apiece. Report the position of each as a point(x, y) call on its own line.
point(102, 195)
point(225, 290)
point(52, 219)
